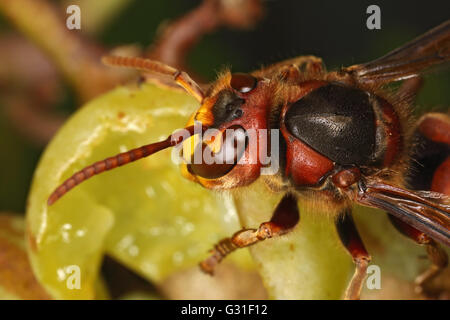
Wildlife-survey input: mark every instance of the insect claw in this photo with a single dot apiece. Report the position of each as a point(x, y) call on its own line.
point(220, 251)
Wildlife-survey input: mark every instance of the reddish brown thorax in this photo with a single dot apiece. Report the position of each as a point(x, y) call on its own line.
point(304, 166)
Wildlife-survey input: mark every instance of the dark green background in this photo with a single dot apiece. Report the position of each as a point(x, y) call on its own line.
point(333, 30)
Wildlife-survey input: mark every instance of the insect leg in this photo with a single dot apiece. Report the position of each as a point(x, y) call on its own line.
point(284, 219)
point(435, 127)
point(431, 168)
point(436, 254)
point(433, 174)
point(352, 241)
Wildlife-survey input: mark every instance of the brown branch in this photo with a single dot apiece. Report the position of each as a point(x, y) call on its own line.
point(76, 58)
point(79, 60)
point(178, 38)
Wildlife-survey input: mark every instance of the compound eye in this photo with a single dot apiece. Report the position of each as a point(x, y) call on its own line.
point(243, 82)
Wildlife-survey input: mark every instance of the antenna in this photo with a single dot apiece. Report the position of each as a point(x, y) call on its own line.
point(180, 77)
point(117, 161)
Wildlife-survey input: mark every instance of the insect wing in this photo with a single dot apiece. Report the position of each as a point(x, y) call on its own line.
point(426, 211)
point(432, 49)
